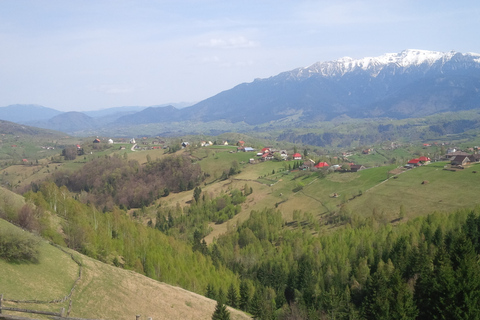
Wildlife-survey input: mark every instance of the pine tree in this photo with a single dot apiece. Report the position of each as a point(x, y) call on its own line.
point(210, 292)
point(256, 307)
point(232, 296)
point(221, 312)
point(244, 296)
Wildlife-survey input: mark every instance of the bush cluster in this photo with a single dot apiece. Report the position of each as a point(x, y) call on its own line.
point(18, 246)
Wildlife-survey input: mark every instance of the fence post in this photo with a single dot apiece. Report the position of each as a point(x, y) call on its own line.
point(1, 299)
point(62, 311)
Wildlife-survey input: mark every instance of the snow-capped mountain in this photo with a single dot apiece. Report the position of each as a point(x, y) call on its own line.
point(374, 65)
point(411, 83)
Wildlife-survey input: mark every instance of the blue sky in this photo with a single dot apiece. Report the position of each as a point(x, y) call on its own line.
point(95, 54)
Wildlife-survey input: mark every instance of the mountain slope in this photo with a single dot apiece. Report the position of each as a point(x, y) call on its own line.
point(408, 84)
point(67, 122)
point(7, 127)
point(102, 292)
point(26, 112)
point(152, 115)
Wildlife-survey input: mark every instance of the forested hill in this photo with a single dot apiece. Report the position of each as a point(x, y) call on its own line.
point(7, 127)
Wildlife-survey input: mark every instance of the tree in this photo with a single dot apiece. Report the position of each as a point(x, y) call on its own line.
point(196, 194)
point(244, 296)
point(232, 296)
point(221, 312)
point(256, 307)
point(70, 153)
point(210, 292)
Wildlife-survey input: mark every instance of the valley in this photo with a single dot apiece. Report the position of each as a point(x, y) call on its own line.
point(343, 190)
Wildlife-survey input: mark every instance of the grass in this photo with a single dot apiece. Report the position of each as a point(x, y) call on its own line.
point(49, 279)
point(445, 191)
point(104, 291)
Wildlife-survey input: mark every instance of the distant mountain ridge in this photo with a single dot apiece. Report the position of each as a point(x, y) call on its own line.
point(408, 84)
point(21, 113)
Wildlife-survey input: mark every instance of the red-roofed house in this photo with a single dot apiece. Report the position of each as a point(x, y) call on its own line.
point(297, 156)
point(424, 159)
point(267, 156)
point(266, 149)
point(321, 165)
point(414, 163)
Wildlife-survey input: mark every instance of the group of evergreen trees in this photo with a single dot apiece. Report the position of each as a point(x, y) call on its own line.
point(425, 269)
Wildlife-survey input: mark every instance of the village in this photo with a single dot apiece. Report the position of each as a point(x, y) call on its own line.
point(457, 158)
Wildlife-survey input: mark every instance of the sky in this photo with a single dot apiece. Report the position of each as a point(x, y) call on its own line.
point(84, 55)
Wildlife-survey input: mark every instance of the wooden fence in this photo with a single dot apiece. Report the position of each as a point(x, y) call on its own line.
point(52, 315)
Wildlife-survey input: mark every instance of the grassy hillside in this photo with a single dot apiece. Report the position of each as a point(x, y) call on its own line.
point(332, 197)
point(103, 291)
point(443, 190)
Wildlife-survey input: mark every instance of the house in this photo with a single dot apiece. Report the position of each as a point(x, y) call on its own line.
point(425, 160)
point(132, 141)
point(460, 160)
point(267, 156)
point(414, 163)
point(475, 157)
point(241, 143)
point(297, 156)
point(309, 163)
point(110, 141)
point(248, 149)
point(185, 143)
point(252, 161)
point(321, 165)
point(266, 149)
point(283, 154)
point(96, 141)
point(452, 155)
point(356, 167)
point(225, 143)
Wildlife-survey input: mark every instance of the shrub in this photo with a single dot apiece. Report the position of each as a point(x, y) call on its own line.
point(18, 246)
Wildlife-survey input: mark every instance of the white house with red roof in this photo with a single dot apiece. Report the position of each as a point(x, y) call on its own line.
point(297, 156)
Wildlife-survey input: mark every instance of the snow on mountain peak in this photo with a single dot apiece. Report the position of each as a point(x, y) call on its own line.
point(403, 59)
